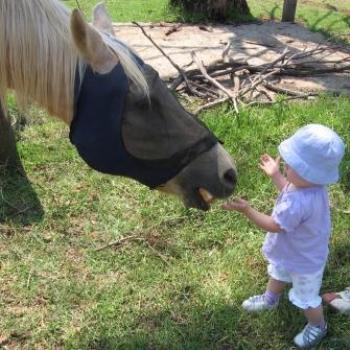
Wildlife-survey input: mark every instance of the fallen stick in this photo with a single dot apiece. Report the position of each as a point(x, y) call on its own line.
point(232, 96)
point(224, 55)
point(182, 73)
point(277, 89)
point(120, 241)
point(211, 92)
point(268, 103)
point(211, 104)
point(260, 78)
point(195, 73)
point(137, 238)
point(156, 252)
point(173, 29)
point(266, 93)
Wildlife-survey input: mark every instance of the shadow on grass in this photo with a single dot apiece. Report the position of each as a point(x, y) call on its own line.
point(339, 260)
point(19, 204)
point(222, 327)
point(345, 172)
point(272, 13)
point(327, 31)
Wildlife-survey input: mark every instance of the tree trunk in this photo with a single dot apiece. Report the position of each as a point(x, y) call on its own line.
point(241, 6)
point(8, 150)
point(214, 9)
point(289, 9)
point(221, 8)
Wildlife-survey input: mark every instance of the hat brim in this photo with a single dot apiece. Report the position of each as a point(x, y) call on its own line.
point(314, 175)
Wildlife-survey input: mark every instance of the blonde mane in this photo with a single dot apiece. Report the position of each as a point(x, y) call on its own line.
point(38, 59)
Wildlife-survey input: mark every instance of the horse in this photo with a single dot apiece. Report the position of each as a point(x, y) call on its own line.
point(122, 118)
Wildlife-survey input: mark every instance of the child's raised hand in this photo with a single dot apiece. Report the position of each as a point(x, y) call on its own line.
point(238, 204)
point(269, 165)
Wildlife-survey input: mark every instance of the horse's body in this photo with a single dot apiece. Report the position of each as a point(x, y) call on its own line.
point(38, 58)
point(43, 48)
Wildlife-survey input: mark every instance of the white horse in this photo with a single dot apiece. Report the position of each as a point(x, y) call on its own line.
point(46, 54)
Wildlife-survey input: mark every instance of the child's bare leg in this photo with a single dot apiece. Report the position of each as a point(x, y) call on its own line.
point(314, 331)
point(273, 292)
point(267, 301)
point(275, 286)
point(315, 316)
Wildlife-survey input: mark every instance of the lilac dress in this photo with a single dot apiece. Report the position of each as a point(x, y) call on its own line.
point(304, 216)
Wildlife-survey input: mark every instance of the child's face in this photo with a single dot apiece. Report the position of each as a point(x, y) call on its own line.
point(294, 178)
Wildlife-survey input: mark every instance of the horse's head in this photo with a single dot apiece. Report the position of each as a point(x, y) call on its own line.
point(156, 141)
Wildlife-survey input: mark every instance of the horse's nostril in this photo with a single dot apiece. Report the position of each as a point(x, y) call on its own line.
point(230, 178)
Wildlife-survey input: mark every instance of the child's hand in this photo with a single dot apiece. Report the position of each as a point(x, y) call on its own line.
point(238, 204)
point(269, 165)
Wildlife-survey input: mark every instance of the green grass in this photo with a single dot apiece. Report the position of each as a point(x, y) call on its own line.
point(57, 291)
point(181, 286)
point(134, 10)
point(331, 18)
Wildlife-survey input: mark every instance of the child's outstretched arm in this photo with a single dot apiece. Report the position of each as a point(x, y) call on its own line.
point(261, 220)
point(271, 167)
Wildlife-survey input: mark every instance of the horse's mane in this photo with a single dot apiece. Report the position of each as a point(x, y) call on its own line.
point(38, 59)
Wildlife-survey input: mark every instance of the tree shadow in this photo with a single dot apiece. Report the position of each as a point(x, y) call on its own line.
point(272, 12)
point(327, 30)
point(202, 328)
point(338, 263)
point(19, 203)
point(345, 173)
point(219, 327)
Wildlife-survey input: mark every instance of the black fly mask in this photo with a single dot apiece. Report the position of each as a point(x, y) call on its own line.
point(119, 131)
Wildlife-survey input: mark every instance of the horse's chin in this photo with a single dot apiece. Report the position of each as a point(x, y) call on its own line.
point(199, 199)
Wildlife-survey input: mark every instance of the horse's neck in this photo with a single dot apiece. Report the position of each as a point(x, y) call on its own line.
point(37, 59)
point(43, 81)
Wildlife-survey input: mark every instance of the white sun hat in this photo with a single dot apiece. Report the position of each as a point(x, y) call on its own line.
point(314, 152)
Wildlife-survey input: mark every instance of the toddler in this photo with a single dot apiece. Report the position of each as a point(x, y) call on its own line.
point(296, 245)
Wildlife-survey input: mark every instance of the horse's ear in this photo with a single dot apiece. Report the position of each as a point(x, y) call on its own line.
point(101, 19)
point(91, 45)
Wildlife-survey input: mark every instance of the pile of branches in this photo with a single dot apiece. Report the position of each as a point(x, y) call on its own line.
point(250, 85)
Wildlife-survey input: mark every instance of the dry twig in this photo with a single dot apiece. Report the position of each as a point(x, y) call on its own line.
point(120, 241)
point(214, 82)
point(173, 29)
point(135, 238)
point(247, 79)
point(182, 73)
point(211, 104)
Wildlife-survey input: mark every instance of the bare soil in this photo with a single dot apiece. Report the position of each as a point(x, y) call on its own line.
point(253, 43)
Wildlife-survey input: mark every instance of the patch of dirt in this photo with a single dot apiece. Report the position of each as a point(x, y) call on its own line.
point(256, 44)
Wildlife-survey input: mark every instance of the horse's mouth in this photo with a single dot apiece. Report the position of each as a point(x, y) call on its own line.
point(206, 195)
point(203, 199)
point(199, 198)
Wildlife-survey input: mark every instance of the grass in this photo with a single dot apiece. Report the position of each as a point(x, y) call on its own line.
point(331, 18)
point(182, 289)
point(135, 10)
